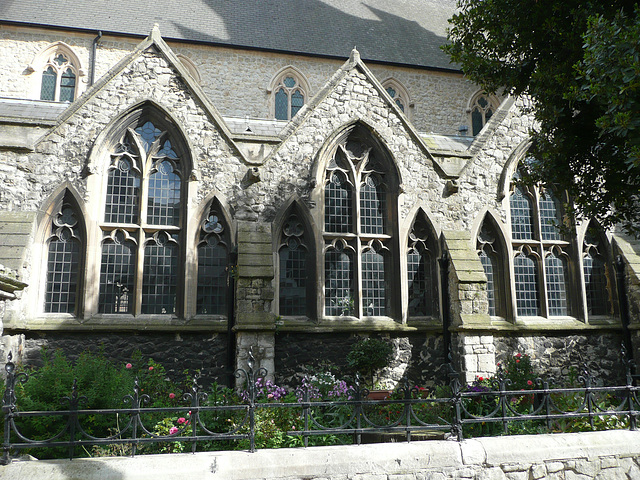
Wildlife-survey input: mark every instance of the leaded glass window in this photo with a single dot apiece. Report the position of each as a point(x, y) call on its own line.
point(526, 278)
point(59, 78)
point(491, 259)
point(541, 266)
point(421, 270)
point(358, 247)
point(213, 264)
point(339, 294)
point(142, 222)
point(294, 268)
point(288, 98)
point(117, 273)
point(63, 262)
point(398, 94)
point(521, 215)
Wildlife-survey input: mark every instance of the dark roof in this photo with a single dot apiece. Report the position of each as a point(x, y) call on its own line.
point(406, 32)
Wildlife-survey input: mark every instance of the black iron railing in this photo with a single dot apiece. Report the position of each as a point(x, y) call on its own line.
point(405, 413)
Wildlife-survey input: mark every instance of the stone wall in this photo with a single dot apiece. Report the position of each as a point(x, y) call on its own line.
point(612, 455)
point(175, 351)
point(417, 358)
point(564, 354)
point(236, 81)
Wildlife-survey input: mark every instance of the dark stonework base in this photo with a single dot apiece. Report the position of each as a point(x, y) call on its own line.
point(176, 352)
point(418, 359)
point(556, 355)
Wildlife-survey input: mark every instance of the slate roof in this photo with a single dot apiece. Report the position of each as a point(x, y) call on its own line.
point(407, 32)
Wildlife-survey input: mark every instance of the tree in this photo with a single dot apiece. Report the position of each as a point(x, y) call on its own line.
point(579, 63)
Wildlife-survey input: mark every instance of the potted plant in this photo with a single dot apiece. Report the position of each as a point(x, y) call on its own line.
point(367, 357)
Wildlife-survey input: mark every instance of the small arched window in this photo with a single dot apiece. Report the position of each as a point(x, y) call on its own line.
point(491, 256)
point(213, 261)
point(295, 268)
point(398, 94)
point(59, 80)
point(481, 109)
point(65, 255)
point(290, 91)
point(422, 272)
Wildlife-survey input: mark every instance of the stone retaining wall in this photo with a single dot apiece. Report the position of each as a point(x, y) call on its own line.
point(583, 456)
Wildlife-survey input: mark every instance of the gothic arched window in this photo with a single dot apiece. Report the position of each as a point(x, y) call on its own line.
point(290, 91)
point(143, 219)
point(213, 262)
point(492, 257)
point(59, 78)
point(481, 109)
point(422, 272)
point(359, 242)
point(295, 268)
point(65, 255)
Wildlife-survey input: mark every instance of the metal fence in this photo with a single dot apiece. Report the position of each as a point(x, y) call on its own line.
point(408, 411)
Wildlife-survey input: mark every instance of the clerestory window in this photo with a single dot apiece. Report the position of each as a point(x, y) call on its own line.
point(398, 94)
point(289, 92)
point(481, 109)
point(59, 78)
point(360, 251)
point(143, 217)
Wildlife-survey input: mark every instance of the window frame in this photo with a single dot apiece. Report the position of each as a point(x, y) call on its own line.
point(278, 83)
point(47, 59)
point(492, 104)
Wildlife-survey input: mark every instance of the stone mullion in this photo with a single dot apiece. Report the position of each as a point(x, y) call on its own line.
point(358, 246)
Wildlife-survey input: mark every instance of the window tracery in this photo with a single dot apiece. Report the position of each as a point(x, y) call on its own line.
point(481, 109)
point(422, 273)
point(59, 78)
point(289, 90)
point(294, 268)
point(213, 260)
point(142, 224)
point(358, 240)
point(398, 94)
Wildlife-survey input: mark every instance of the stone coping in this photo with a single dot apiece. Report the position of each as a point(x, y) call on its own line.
point(587, 453)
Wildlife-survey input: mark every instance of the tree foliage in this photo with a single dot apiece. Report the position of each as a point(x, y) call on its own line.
point(579, 63)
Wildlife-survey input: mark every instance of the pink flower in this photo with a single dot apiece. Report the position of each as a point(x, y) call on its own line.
point(173, 430)
point(518, 355)
point(150, 368)
point(529, 382)
point(172, 396)
point(182, 420)
point(128, 365)
point(270, 395)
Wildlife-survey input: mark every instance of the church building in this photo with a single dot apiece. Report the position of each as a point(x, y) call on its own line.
point(199, 179)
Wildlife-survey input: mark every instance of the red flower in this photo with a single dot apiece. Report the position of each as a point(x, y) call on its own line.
point(518, 355)
point(150, 368)
point(128, 365)
point(529, 382)
point(517, 360)
point(480, 379)
point(172, 396)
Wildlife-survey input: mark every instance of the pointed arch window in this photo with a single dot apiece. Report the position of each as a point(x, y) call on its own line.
point(289, 94)
point(543, 254)
point(59, 77)
point(422, 273)
point(295, 269)
point(491, 256)
point(142, 222)
point(213, 260)
point(398, 94)
point(481, 109)
point(359, 245)
point(64, 257)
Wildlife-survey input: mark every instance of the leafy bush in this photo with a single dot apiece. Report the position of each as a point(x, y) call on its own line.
point(367, 357)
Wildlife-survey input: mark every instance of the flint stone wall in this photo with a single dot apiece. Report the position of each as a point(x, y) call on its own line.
point(417, 358)
point(613, 455)
point(556, 356)
point(175, 351)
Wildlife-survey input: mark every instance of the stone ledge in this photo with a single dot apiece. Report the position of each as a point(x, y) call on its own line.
point(488, 457)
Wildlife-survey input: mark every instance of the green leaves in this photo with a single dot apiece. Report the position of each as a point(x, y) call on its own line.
point(580, 63)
